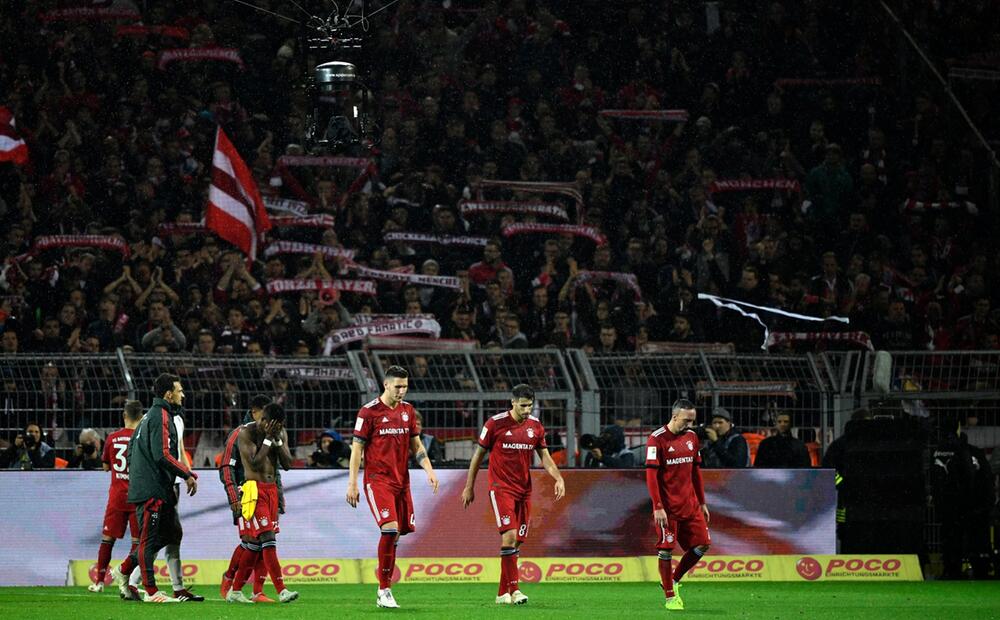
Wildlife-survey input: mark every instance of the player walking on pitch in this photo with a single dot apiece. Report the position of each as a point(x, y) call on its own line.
point(118, 512)
point(384, 434)
point(259, 500)
point(152, 467)
point(673, 478)
point(511, 437)
point(232, 476)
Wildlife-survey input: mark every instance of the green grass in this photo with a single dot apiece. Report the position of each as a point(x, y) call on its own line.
point(809, 601)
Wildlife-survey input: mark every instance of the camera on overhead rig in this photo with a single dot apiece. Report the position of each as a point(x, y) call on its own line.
point(340, 122)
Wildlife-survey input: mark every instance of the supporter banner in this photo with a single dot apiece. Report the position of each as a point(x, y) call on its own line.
point(322, 373)
point(679, 116)
point(862, 81)
point(138, 30)
point(436, 344)
point(984, 75)
point(287, 205)
point(181, 228)
point(754, 512)
point(277, 221)
point(688, 347)
point(309, 221)
point(534, 187)
point(917, 205)
point(412, 278)
point(365, 319)
point(577, 230)
point(297, 247)
point(324, 161)
point(628, 279)
point(276, 287)
point(742, 185)
point(104, 242)
point(738, 306)
point(409, 237)
point(705, 389)
point(91, 13)
point(340, 337)
point(190, 54)
point(545, 209)
point(858, 338)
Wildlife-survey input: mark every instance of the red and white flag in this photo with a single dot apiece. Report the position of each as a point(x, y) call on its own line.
point(12, 146)
point(235, 210)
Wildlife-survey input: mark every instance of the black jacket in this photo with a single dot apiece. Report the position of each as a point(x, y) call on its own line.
point(729, 452)
point(151, 459)
point(782, 451)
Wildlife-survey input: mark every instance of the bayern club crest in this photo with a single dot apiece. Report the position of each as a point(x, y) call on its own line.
point(385, 513)
point(531, 433)
point(406, 417)
point(690, 445)
point(263, 521)
point(505, 520)
point(670, 538)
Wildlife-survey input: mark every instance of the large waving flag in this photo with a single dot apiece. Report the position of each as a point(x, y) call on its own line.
point(12, 146)
point(235, 209)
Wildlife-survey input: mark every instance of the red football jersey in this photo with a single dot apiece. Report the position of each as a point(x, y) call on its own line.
point(115, 448)
point(386, 433)
point(675, 457)
point(511, 445)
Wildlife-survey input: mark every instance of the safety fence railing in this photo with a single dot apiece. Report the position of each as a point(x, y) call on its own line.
point(577, 394)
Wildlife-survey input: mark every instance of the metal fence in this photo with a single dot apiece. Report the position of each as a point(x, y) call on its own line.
point(455, 391)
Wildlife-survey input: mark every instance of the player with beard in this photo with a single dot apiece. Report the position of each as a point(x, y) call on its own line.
point(673, 478)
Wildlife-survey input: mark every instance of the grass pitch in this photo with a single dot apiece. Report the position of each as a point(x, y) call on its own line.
point(623, 601)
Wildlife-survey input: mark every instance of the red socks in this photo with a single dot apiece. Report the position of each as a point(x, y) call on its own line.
point(508, 570)
point(386, 558)
point(234, 561)
point(689, 559)
point(247, 561)
point(103, 559)
point(269, 551)
point(129, 565)
point(259, 574)
point(666, 573)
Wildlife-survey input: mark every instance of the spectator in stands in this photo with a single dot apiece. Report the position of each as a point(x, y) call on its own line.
point(681, 331)
point(434, 448)
point(9, 343)
point(724, 446)
point(781, 450)
point(87, 454)
point(512, 337)
point(29, 451)
point(164, 332)
point(330, 451)
point(488, 269)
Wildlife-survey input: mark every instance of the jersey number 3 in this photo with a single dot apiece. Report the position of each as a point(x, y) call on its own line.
point(120, 464)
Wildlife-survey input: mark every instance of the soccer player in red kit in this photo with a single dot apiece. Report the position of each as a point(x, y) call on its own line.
point(511, 438)
point(673, 477)
point(384, 434)
point(118, 512)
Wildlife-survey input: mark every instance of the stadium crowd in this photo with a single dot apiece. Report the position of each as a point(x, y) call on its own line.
point(807, 174)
